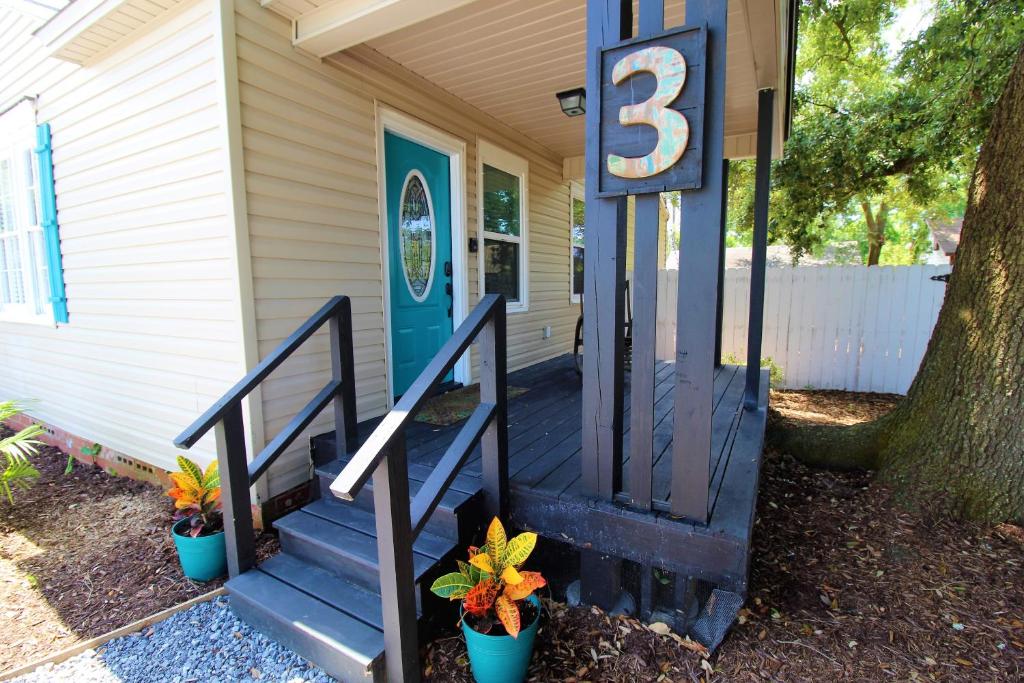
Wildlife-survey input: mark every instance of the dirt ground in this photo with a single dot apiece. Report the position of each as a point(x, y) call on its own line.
point(83, 554)
point(844, 586)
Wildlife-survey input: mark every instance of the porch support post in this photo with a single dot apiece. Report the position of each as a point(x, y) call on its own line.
point(758, 264)
point(700, 230)
point(608, 22)
point(719, 313)
point(604, 272)
point(645, 323)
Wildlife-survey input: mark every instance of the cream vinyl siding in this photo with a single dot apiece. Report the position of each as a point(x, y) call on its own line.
point(138, 153)
point(310, 158)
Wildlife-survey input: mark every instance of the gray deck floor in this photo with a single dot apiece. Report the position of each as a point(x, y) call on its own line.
point(545, 466)
point(545, 430)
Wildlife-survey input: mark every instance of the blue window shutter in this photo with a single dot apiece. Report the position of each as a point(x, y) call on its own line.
point(51, 236)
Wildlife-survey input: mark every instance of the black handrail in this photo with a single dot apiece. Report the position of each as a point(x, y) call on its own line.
point(354, 476)
point(383, 457)
point(225, 418)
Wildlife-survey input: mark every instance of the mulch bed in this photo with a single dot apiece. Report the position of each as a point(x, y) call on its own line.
point(845, 586)
point(82, 554)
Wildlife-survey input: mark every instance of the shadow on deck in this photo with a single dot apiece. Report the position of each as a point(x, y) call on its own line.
point(545, 467)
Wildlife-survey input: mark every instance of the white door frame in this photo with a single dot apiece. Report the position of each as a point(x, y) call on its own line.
point(397, 122)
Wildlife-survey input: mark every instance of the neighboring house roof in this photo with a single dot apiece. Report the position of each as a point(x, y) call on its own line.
point(780, 255)
point(946, 235)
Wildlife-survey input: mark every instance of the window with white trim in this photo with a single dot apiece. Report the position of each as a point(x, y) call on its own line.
point(24, 281)
point(577, 230)
point(504, 268)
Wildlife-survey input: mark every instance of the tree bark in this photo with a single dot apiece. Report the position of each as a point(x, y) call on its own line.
point(876, 230)
point(956, 442)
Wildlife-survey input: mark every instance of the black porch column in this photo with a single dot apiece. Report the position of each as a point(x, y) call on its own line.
point(721, 264)
point(699, 236)
point(762, 189)
point(604, 272)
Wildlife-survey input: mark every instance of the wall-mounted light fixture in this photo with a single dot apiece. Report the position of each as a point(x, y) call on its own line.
point(573, 102)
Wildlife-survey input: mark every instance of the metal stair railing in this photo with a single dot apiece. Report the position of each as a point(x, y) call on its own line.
point(383, 457)
point(225, 419)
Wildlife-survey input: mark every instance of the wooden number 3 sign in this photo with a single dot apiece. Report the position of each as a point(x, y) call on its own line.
point(669, 68)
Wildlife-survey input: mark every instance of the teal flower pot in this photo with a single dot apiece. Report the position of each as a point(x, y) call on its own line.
point(501, 659)
point(202, 558)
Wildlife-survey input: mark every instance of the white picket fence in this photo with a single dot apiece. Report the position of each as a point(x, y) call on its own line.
point(828, 327)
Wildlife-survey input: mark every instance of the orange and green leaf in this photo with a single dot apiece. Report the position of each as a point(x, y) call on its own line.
point(480, 597)
point(211, 477)
point(453, 586)
point(525, 588)
point(511, 576)
point(496, 542)
point(483, 563)
point(519, 548)
point(508, 613)
point(190, 469)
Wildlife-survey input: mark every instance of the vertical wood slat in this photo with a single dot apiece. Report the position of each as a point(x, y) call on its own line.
point(645, 290)
point(232, 463)
point(343, 369)
point(608, 21)
point(397, 576)
point(494, 389)
point(720, 310)
point(698, 265)
point(758, 261)
point(645, 309)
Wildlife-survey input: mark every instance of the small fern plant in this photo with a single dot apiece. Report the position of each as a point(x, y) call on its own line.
point(492, 585)
point(196, 497)
point(18, 472)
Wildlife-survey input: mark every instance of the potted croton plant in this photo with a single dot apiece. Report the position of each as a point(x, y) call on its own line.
point(198, 529)
point(499, 612)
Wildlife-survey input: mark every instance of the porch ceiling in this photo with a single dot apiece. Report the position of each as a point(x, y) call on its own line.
point(508, 58)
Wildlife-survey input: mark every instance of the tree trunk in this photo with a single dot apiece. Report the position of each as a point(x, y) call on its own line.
point(956, 442)
point(876, 230)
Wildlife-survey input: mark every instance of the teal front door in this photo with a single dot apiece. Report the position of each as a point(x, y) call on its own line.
point(419, 255)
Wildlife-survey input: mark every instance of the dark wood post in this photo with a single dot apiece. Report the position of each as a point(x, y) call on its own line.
point(236, 505)
point(608, 21)
point(700, 227)
point(343, 368)
point(645, 321)
point(397, 577)
point(719, 313)
point(645, 266)
point(604, 272)
point(493, 389)
point(758, 263)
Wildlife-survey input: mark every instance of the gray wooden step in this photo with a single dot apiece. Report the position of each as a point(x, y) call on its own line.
point(453, 518)
point(346, 647)
point(342, 539)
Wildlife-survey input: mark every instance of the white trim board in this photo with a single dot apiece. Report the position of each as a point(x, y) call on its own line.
point(424, 134)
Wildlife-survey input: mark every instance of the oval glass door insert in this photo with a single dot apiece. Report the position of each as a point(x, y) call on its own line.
point(416, 236)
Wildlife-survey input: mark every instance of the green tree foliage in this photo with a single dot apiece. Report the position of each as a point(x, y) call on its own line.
point(881, 139)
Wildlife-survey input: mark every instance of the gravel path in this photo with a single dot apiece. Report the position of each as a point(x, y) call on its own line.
point(205, 643)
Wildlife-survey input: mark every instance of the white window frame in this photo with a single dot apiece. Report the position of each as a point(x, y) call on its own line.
point(515, 165)
point(18, 142)
point(576, 191)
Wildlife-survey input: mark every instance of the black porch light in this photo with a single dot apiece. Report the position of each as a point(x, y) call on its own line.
point(573, 102)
